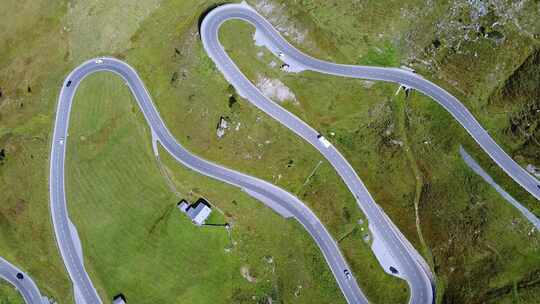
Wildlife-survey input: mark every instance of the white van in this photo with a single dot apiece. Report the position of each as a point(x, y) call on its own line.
point(324, 141)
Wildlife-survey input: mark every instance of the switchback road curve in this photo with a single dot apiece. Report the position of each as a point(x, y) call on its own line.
point(276, 43)
point(389, 245)
point(387, 238)
point(66, 234)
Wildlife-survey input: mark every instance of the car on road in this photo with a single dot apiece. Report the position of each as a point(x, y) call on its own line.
point(99, 61)
point(393, 270)
point(68, 83)
point(347, 274)
point(20, 276)
point(61, 141)
point(324, 141)
point(281, 55)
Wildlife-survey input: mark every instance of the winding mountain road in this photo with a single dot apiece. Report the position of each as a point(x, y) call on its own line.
point(387, 238)
point(66, 235)
point(271, 38)
point(389, 245)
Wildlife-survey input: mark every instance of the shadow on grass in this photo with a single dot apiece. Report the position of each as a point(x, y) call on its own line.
point(206, 12)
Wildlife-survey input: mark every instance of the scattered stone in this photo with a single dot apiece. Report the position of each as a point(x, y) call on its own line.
point(276, 14)
point(244, 270)
point(275, 89)
point(396, 142)
point(496, 37)
point(389, 130)
point(478, 9)
point(297, 292)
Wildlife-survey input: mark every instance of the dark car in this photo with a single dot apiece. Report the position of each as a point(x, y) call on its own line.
point(20, 276)
point(68, 83)
point(393, 270)
point(538, 186)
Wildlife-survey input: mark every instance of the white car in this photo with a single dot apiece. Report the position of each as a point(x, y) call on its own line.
point(281, 55)
point(347, 274)
point(324, 141)
point(99, 61)
point(61, 141)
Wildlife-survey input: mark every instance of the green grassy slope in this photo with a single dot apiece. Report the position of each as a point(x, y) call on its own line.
point(132, 232)
point(8, 295)
point(467, 226)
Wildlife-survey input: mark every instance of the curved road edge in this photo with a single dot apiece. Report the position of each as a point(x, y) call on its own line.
point(417, 272)
point(22, 282)
point(281, 201)
point(300, 61)
point(389, 245)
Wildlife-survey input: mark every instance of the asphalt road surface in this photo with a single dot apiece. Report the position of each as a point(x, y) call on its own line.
point(277, 44)
point(281, 201)
point(22, 282)
point(404, 257)
point(401, 254)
